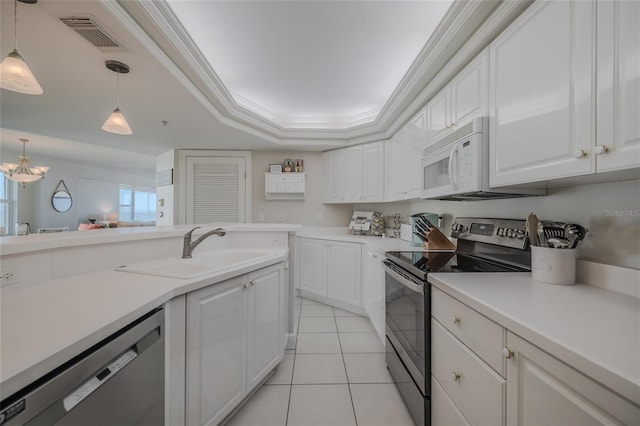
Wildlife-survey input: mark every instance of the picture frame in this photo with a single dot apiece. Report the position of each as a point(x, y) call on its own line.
point(275, 168)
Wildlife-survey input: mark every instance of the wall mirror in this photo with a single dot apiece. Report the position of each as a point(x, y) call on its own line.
point(61, 199)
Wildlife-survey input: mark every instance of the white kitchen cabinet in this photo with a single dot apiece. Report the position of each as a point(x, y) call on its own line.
point(216, 350)
point(403, 164)
point(234, 338)
point(544, 391)
point(618, 69)
point(464, 98)
point(313, 266)
point(525, 386)
point(374, 291)
point(355, 174)
point(542, 95)
point(344, 272)
point(334, 165)
point(330, 271)
point(265, 332)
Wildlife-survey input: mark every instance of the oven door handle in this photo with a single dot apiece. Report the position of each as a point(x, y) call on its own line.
point(407, 283)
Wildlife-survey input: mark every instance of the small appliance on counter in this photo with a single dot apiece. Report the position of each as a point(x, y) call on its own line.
point(367, 223)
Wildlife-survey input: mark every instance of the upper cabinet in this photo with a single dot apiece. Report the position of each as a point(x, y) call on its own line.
point(618, 69)
point(543, 92)
point(462, 100)
point(404, 155)
point(355, 174)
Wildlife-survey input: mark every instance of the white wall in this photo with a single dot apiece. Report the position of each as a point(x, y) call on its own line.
point(611, 212)
point(94, 191)
point(300, 212)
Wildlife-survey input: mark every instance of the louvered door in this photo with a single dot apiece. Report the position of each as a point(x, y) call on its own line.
point(215, 189)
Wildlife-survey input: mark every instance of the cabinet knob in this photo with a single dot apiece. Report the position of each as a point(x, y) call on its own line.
point(601, 149)
point(246, 285)
point(579, 153)
point(507, 353)
point(455, 376)
point(456, 319)
point(286, 267)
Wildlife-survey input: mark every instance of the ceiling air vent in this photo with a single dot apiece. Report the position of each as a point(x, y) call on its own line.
point(91, 31)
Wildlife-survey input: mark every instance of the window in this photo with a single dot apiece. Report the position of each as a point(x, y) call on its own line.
point(137, 204)
point(7, 205)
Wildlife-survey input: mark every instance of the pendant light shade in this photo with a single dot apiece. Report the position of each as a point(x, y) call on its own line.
point(21, 172)
point(15, 74)
point(116, 123)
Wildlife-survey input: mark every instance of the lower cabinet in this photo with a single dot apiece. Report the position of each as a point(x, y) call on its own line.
point(234, 338)
point(545, 391)
point(331, 270)
point(535, 388)
point(374, 291)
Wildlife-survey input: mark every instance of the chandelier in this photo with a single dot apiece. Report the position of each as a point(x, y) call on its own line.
point(22, 172)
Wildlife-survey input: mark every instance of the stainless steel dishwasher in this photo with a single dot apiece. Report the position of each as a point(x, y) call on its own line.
point(119, 381)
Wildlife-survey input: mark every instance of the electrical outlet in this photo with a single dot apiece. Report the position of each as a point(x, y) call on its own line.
point(280, 217)
point(260, 217)
point(7, 278)
point(319, 217)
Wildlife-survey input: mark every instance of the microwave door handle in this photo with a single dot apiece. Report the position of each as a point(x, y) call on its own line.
point(454, 152)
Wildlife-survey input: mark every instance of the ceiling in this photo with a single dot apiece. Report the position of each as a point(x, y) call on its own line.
point(304, 75)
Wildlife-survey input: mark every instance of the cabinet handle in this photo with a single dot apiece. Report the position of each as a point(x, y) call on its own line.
point(456, 319)
point(580, 153)
point(508, 353)
point(286, 268)
point(455, 376)
point(246, 285)
point(601, 149)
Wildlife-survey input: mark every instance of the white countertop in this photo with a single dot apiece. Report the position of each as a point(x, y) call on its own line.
point(344, 234)
point(43, 325)
point(595, 330)
point(35, 242)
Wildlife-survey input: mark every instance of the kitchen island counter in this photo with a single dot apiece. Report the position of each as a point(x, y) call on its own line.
point(47, 323)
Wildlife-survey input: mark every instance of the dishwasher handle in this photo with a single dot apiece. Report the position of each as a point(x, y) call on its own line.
point(87, 388)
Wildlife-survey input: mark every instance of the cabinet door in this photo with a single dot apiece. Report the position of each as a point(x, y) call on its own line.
point(373, 173)
point(334, 189)
point(618, 85)
point(443, 410)
point(438, 119)
point(544, 391)
point(413, 171)
point(265, 335)
point(374, 292)
point(542, 96)
point(216, 351)
point(396, 173)
point(313, 266)
point(470, 90)
point(344, 272)
point(352, 165)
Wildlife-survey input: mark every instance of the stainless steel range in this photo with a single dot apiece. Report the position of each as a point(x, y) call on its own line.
point(484, 245)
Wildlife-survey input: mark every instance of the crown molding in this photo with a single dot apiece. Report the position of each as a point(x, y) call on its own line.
point(467, 28)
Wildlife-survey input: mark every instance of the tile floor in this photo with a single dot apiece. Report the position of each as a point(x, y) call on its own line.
point(336, 376)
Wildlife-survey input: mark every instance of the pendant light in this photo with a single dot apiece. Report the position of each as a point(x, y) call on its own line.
point(21, 172)
point(15, 74)
point(116, 123)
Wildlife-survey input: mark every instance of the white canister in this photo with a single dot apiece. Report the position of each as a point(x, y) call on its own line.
point(553, 266)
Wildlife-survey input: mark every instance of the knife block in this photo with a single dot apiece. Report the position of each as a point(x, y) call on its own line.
point(437, 241)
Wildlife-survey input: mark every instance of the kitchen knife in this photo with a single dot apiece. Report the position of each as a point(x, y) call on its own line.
point(427, 222)
point(420, 236)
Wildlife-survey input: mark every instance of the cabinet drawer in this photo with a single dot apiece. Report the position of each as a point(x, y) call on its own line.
point(473, 386)
point(443, 410)
point(480, 334)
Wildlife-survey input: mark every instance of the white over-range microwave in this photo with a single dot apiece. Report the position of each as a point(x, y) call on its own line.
point(456, 167)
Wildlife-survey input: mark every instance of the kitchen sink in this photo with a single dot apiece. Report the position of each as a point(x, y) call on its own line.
point(206, 263)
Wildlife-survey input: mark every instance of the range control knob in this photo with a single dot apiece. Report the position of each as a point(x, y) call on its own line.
point(510, 233)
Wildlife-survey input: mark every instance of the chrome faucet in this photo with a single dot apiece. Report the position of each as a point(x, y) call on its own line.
point(188, 245)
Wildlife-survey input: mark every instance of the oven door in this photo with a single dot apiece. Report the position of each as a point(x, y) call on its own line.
point(407, 327)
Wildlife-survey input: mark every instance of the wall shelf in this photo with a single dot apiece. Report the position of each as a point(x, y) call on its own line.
point(284, 186)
